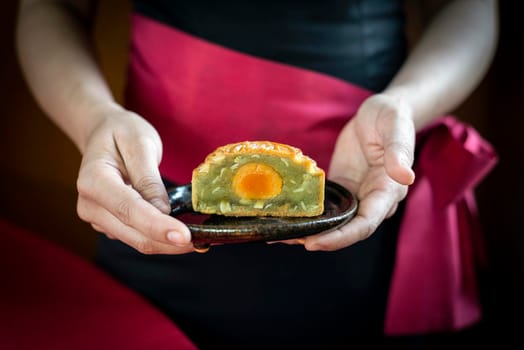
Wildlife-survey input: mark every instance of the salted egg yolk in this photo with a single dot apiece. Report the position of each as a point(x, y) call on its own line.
point(257, 181)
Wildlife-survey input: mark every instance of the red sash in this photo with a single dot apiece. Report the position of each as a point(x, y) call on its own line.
point(200, 95)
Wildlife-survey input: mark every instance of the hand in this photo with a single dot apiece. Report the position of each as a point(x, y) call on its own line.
point(372, 158)
point(120, 189)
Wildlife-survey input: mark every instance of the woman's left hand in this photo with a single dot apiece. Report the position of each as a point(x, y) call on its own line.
point(372, 158)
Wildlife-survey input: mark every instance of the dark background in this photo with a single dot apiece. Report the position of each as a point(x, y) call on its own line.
point(38, 164)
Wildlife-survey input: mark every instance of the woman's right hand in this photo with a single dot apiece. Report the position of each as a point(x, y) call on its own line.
point(120, 191)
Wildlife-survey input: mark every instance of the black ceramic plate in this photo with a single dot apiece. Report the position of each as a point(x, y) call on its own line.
point(340, 206)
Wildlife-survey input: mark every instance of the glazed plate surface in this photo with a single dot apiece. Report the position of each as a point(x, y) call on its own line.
point(340, 206)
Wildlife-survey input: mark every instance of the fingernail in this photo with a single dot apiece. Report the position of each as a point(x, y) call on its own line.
point(203, 249)
point(313, 247)
point(176, 237)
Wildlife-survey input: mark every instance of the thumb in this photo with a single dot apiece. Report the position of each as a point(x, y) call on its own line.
point(151, 188)
point(141, 164)
point(399, 148)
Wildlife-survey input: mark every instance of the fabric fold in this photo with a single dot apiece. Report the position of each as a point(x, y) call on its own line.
point(434, 286)
point(455, 158)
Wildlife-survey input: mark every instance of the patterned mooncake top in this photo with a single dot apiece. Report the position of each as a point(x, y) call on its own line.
point(264, 147)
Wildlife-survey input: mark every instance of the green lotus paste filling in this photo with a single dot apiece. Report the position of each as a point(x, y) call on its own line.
point(300, 190)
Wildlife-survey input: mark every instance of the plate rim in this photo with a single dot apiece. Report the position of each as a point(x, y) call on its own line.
point(204, 235)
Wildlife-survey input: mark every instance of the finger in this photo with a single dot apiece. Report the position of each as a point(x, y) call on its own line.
point(293, 241)
point(114, 228)
point(104, 185)
point(100, 229)
point(396, 160)
point(392, 211)
point(141, 159)
point(399, 145)
point(372, 211)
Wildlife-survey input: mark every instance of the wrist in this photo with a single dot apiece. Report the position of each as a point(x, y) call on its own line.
point(93, 116)
point(412, 99)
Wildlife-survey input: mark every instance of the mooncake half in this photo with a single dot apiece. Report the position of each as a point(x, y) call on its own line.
point(258, 178)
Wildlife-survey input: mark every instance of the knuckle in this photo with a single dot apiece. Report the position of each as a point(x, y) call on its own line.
point(403, 193)
point(88, 176)
point(83, 215)
point(83, 185)
point(123, 211)
point(392, 211)
point(151, 229)
point(146, 246)
point(82, 211)
point(98, 228)
point(147, 143)
point(110, 236)
point(148, 186)
point(368, 231)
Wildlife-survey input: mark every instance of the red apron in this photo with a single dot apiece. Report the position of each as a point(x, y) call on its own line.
point(50, 298)
point(200, 95)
